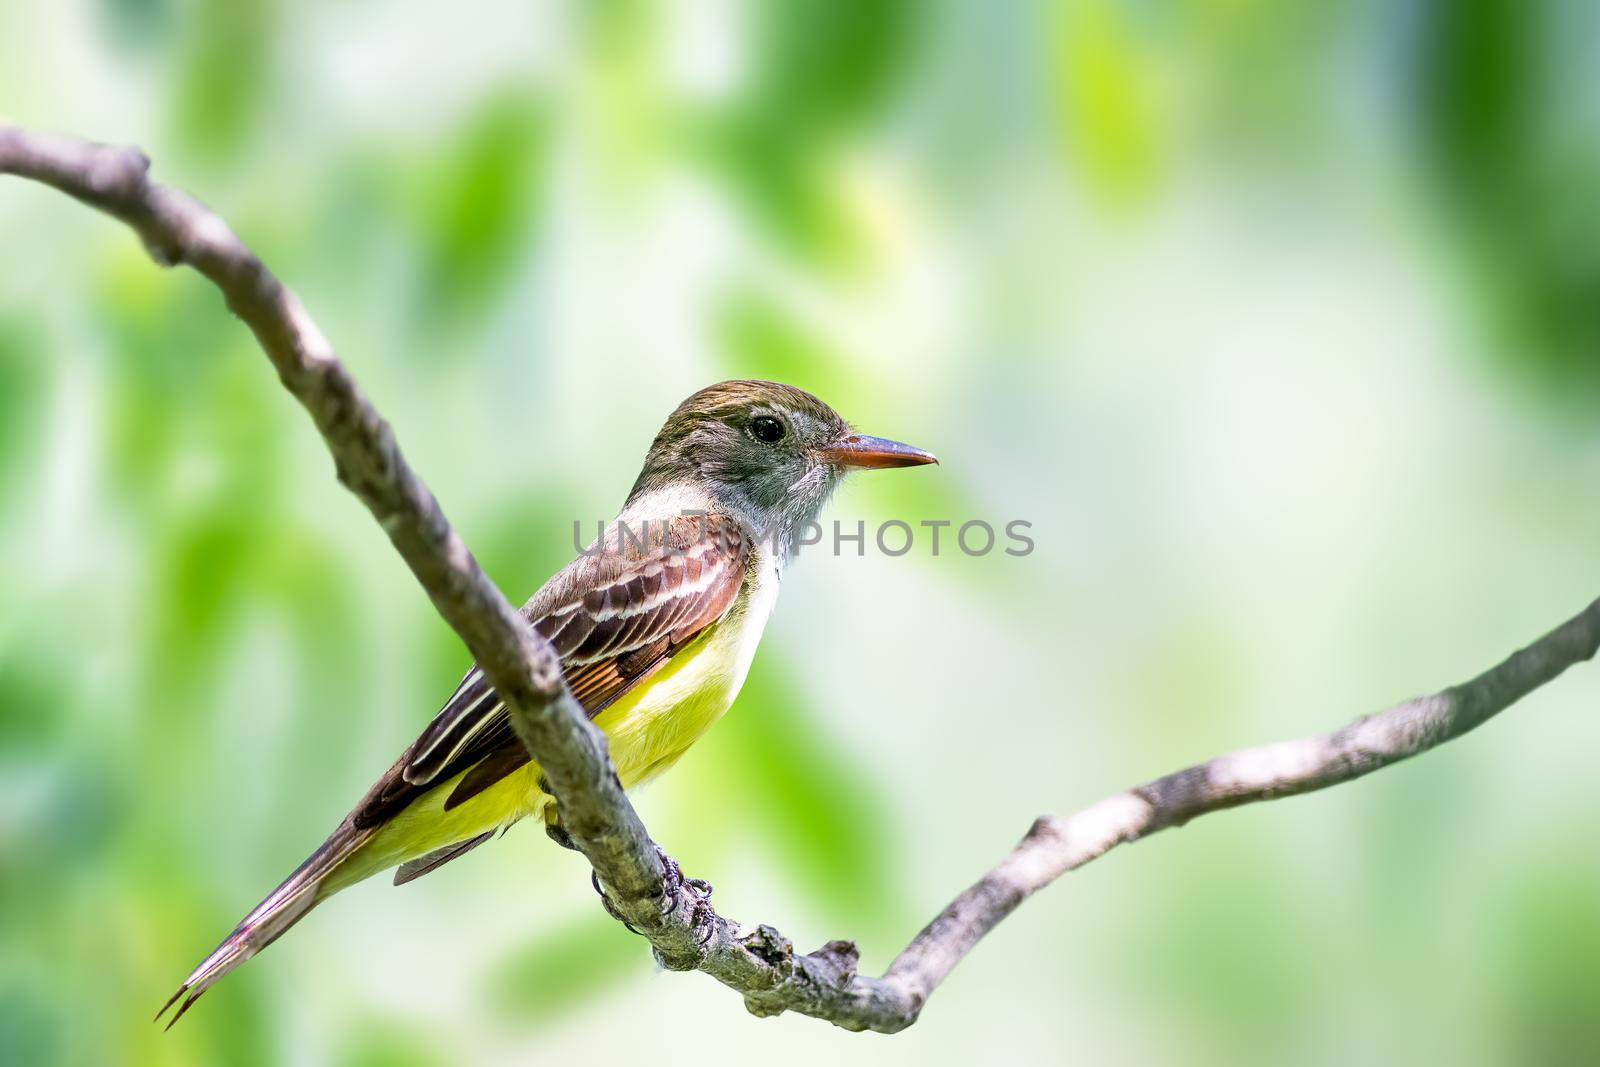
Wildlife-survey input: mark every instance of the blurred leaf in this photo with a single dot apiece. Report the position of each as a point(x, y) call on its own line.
point(785, 186)
point(1478, 82)
point(33, 691)
point(633, 115)
point(205, 574)
point(223, 79)
point(201, 579)
point(1517, 167)
point(479, 209)
point(822, 68)
point(163, 332)
point(1103, 97)
point(824, 63)
point(241, 426)
point(572, 964)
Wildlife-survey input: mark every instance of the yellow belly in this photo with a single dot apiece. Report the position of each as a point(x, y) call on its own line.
point(648, 729)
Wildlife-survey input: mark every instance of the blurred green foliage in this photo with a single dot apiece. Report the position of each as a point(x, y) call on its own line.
point(476, 215)
point(818, 71)
point(1512, 164)
point(1279, 323)
point(22, 382)
point(223, 77)
point(1551, 941)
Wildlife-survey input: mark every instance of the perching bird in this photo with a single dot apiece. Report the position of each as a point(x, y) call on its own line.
point(655, 624)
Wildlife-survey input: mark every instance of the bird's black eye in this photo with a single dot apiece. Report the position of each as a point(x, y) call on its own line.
point(766, 428)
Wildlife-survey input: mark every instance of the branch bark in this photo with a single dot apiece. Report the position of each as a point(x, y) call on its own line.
point(642, 885)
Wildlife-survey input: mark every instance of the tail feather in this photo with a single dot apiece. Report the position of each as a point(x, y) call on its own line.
point(411, 870)
point(303, 890)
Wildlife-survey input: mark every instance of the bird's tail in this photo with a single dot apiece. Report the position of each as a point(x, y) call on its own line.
point(314, 881)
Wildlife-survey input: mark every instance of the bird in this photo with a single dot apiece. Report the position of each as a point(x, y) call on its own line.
point(655, 624)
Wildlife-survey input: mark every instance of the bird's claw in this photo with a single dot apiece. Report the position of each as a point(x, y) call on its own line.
point(605, 902)
point(672, 880)
point(702, 919)
point(700, 914)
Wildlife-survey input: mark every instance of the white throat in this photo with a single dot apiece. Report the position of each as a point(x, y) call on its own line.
point(686, 498)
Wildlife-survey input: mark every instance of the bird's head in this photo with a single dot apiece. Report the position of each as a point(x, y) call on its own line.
point(769, 453)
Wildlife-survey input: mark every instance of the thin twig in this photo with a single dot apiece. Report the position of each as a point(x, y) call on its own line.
point(642, 885)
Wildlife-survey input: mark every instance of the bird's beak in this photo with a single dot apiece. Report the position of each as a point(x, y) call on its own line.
point(859, 450)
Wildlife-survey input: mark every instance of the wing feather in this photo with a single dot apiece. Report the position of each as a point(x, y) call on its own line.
point(613, 616)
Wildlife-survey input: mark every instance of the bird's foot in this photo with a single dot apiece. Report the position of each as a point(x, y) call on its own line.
point(700, 915)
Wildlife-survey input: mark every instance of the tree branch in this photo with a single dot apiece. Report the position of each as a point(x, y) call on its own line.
point(176, 229)
point(642, 885)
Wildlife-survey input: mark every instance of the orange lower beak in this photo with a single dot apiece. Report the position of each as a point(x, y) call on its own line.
point(859, 450)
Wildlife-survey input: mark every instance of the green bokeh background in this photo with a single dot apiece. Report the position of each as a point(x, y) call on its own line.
point(1279, 322)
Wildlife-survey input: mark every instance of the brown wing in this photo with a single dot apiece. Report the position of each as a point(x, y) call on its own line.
point(613, 616)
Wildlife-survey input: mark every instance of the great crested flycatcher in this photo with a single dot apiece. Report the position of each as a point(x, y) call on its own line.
point(655, 624)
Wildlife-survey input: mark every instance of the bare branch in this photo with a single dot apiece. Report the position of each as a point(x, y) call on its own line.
point(643, 886)
point(1055, 846)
